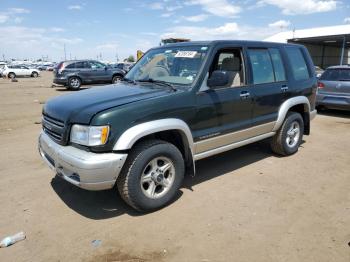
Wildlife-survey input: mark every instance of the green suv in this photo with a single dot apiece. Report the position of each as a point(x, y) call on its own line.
point(180, 103)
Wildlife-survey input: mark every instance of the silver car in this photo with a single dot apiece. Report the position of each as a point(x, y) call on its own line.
point(334, 88)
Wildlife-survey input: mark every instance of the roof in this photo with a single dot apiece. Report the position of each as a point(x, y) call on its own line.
point(214, 42)
point(283, 37)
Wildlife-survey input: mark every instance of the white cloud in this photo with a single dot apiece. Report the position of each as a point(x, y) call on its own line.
point(221, 8)
point(347, 20)
point(198, 32)
point(57, 29)
point(295, 7)
point(196, 18)
point(166, 14)
point(227, 31)
point(75, 7)
point(3, 18)
point(110, 45)
point(18, 11)
point(156, 6)
point(280, 24)
point(18, 20)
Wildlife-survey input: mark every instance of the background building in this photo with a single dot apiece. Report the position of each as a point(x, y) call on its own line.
point(327, 45)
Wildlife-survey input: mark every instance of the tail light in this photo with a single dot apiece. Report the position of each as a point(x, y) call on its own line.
point(320, 85)
point(60, 68)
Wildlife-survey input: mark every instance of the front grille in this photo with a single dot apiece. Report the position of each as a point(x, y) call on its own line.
point(55, 128)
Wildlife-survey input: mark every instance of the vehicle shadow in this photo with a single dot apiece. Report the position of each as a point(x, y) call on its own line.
point(106, 204)
point(334, 113)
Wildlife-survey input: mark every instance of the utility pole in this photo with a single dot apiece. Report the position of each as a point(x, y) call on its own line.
point(64, 50)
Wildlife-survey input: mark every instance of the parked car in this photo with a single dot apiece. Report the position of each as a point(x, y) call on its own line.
point(319, 71)
point(13, 71)
point(124, 66)
point(73, 74)
point(180, 103)
point(334, 88)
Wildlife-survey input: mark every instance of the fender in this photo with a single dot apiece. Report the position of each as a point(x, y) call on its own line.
point(133, 134)
point(298, 100)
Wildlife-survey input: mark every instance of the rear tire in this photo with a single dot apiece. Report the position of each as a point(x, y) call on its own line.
point(74, 83)
point(288, 138)
point(152, 175)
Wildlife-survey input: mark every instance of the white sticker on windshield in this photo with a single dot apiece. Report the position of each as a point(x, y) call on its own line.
point(187, 54)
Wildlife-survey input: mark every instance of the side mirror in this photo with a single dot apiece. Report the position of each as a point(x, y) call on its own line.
point(218, 78)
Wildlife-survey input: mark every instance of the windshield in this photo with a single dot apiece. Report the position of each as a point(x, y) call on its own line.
point(176, 65)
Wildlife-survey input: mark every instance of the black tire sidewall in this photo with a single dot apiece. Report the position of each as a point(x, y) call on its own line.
point(134, 185)
point(115, 79)
point(289, 120)
point(11, 74)
point(35, 74)
point(71, 87)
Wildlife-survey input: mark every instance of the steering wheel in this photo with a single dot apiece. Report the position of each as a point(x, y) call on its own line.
point(159, 71)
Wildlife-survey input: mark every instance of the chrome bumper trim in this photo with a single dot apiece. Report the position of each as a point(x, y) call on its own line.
point(84, 169)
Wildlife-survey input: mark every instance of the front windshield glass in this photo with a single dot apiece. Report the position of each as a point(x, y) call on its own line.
point(174, 65)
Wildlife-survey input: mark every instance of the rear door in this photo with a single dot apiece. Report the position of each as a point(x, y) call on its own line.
point(268, 85)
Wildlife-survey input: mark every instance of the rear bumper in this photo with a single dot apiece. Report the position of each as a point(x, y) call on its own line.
point(84, 169)
point(333, 101)
point(60, 81)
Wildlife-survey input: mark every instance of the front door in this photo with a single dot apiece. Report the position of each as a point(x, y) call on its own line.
point(224, 111)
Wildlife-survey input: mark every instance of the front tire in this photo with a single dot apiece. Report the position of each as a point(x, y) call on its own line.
point(116, 79)
point(34, 74)
point(74, 83)
point(288, 138)
point(152, 175)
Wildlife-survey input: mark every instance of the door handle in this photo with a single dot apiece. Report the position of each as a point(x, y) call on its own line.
point(244, 94)
point(284, 88)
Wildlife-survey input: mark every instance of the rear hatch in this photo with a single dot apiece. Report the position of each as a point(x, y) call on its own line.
point(335, 82)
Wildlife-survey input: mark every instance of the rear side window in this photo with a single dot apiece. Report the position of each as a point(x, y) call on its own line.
point(261, 66)
point(298, 63)
point(72, 65)
point(277, 62)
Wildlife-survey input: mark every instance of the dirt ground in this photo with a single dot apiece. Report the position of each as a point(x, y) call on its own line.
point(243, 205)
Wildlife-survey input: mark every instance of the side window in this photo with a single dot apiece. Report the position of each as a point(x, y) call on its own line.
point(231, 62)
point(261, 66)
point(79, 65)
point(72, 65)
point(278, 66)
point(298, 64)
point(95, 65)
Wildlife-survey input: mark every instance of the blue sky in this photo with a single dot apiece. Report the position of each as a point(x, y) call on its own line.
point(32, 29)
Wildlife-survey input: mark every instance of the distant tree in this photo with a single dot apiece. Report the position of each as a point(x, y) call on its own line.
point(131, 58)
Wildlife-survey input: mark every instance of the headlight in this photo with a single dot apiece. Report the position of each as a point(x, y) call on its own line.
point(89, 135)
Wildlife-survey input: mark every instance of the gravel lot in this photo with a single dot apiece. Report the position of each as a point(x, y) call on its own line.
point(243, 205)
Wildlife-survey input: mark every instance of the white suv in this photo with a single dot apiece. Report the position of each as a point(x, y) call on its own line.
point(13, 71)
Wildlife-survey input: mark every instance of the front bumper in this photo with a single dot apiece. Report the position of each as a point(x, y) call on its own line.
point(86, 170)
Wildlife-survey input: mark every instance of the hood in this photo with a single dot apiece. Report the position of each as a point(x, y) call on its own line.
point(80, 107)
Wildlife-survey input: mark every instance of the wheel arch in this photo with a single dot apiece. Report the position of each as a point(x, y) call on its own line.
point(172, 130)
point(299, 104)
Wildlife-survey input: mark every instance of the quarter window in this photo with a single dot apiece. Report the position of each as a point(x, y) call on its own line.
point(298, 64)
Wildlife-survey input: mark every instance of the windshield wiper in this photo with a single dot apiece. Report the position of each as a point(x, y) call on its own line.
point(159, 82)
